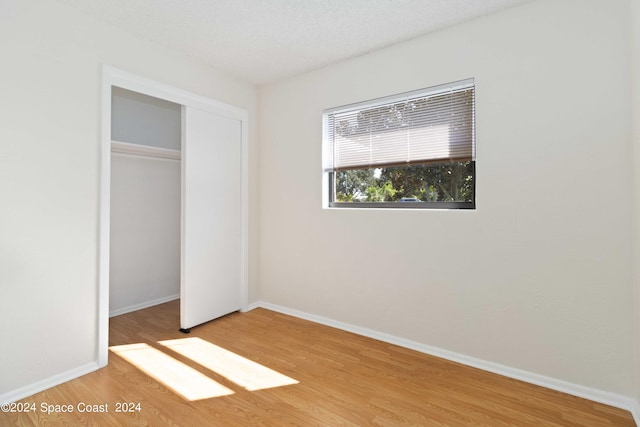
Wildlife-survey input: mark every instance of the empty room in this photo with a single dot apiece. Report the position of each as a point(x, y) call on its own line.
point(320, 212)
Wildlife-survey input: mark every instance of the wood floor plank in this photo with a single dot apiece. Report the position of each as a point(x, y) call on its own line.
point(342, 380)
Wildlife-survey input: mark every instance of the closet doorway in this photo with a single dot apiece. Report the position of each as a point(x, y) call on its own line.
point(206, 152)
point(146, 141)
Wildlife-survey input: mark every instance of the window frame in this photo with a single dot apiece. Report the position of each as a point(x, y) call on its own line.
point(327, 147)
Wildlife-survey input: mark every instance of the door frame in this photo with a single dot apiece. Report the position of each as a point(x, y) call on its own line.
point(114, 77)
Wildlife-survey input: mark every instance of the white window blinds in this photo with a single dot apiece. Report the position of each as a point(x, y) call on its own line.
point(428, 126)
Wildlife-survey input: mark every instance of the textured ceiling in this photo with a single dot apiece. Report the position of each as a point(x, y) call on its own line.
point(261, 41)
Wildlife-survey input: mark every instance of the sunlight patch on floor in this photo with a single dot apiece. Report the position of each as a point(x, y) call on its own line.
point(177, 376)
point(240, 370)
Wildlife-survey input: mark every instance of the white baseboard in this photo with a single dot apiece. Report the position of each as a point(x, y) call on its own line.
point(146, 304)
point(39, 386)
point(635, 411)
point(605, 397)
point(258, 304)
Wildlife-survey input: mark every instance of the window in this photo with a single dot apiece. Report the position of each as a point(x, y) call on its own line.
point(412, 150)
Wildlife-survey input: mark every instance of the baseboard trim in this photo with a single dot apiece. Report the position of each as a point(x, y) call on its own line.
point(604, 397)
point(255, 305)
point(53, 381)
point(146, 304)
point(635, 411)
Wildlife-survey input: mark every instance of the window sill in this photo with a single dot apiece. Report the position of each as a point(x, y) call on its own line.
point(404, 205)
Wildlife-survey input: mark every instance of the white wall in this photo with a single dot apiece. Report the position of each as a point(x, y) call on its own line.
point(538, 277)
point(143, 119)
point(50, 81)
point(145, 231)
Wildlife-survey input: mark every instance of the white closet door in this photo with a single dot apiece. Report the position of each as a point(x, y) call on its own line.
point(211, 217)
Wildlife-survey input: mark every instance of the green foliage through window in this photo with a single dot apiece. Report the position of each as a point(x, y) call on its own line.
point(447, 182)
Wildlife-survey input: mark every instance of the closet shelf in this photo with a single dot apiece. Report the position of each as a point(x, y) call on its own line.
point(144, 150)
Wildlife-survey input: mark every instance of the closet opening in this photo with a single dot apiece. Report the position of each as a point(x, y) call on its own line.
point(173, 203)
point(144, 267)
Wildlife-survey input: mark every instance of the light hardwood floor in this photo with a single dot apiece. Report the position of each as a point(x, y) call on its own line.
point(342, 380)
